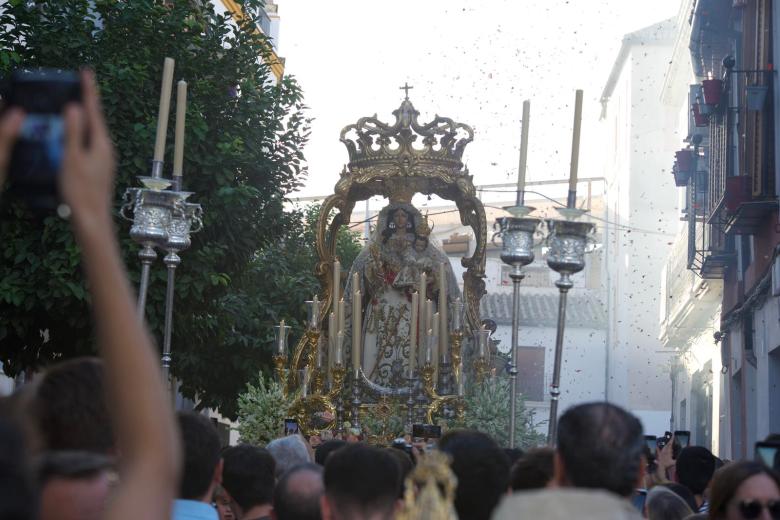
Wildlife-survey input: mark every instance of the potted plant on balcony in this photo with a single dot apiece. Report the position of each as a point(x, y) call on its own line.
point(712, 89)
point(699, 119)
point(680, 177)
point(685, 160)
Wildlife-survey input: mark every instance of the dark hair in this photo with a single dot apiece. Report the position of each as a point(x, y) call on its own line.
point(248, 475)
point(601, 446)
point(695, 466)
point(482, 469)
point(326, 448)
point(295, 500)
point(682, 492)
point(513, 454)
point(201, 445)
point(727, 480)
point(534, 470)
point(362, 480)
point(406, 464)
point(664, 504)
point(18, 501)
point(388, 231)
point(70, 408)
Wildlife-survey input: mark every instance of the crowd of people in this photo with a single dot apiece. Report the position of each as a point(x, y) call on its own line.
point(98, 438)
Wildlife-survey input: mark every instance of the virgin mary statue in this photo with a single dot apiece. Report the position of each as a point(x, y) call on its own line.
point(389, 269)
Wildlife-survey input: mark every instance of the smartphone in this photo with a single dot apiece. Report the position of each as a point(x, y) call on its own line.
point(37, 155)
point(651, 441)
point(682, 438)
point(664, 440)
point(769, 454)
point(426, 431)
point(291, 427)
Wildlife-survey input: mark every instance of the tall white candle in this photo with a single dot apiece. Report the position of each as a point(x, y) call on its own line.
point(443, 330)
point(320, 352)
point(413, 333)
point(165, 107)
point(575, 142)
point(435, 352)
point(523, 149)
point(315, 313)
point(428, 314)
point(356, 330)
point(181, 115)
point(339, 357)
point(342, 317)
point(281, 346)
point(332, 332)
point(336, 287)
point(428, 346)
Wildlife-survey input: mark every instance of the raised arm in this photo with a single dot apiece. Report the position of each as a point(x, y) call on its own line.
point(140, 405)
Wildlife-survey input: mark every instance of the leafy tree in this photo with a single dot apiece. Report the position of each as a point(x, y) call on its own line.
point(261, 410)
point(487, 410)
point(243, 154)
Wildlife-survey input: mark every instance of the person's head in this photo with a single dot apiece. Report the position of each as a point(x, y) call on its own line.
point(222, 504)
point(482, 469)
point(248, 476)
point(406, 464)
point(513, 454)
point(202, 469)
point(69, 407)
point(360, 482)
point(534, 470)
point(599, 446)
point(288, 452)
point(326, 448)
point(664, 504)
point(682, 492)
point(744, 490)
point(695, 466)
point(298, 493)
point(398, 220)
point(74, 484)
point(420, 243)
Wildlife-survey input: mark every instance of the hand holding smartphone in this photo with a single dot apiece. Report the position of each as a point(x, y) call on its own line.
point(36, 158)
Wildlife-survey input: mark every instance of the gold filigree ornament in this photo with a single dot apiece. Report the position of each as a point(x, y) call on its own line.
point(430, 490)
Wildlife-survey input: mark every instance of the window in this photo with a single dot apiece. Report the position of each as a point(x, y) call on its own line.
point(530, 372)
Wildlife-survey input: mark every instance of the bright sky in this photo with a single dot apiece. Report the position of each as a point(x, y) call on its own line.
point(473, 61)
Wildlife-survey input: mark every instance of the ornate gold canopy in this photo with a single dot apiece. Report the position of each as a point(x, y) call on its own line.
point(397, 161)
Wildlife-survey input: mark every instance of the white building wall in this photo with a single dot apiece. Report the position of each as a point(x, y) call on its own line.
point(642, 208)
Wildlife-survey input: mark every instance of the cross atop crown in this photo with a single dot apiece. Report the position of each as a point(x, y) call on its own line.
point(406, 89)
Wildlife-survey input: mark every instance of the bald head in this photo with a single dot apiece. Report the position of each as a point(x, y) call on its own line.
point(298, 492)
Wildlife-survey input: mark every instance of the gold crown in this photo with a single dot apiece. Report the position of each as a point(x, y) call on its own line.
point(390, 148)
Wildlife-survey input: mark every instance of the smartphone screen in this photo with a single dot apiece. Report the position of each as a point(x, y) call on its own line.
point(37, 154)
point(682, 438)
point(769, 454)
point(291, 427)
point(652, 442)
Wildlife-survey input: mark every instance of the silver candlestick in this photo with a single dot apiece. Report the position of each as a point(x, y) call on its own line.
point(517, 235)
point(185, 219)
point(151, 212)
point(567, 240)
